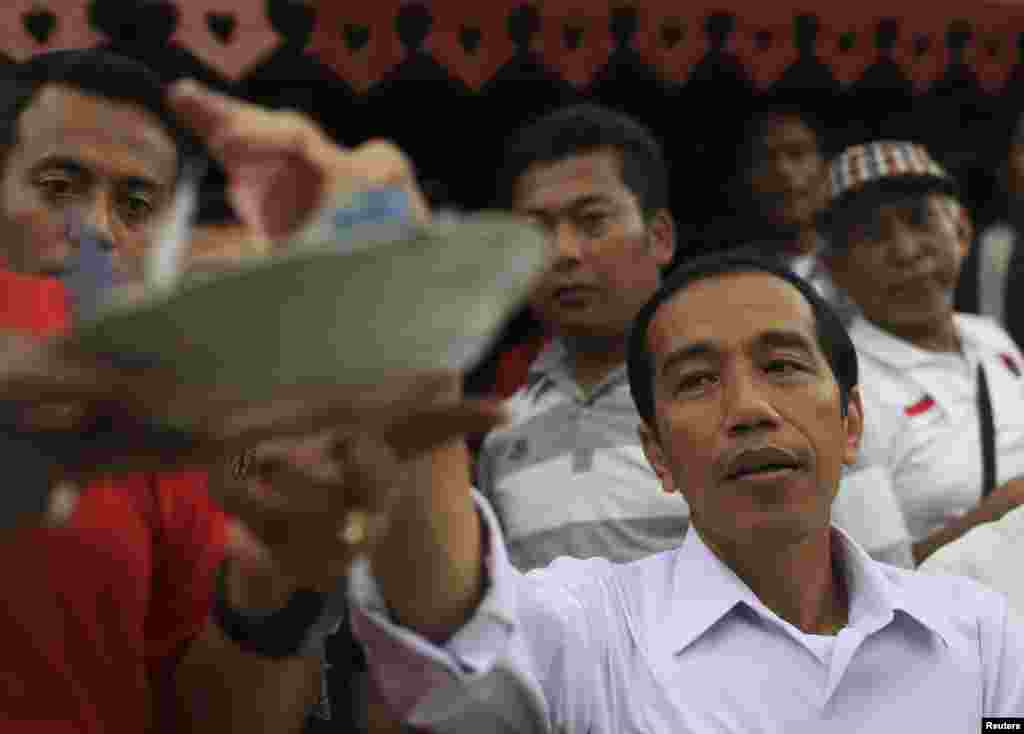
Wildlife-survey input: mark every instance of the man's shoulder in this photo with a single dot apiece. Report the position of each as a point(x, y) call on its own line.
point(986, 331)
point(591, 579)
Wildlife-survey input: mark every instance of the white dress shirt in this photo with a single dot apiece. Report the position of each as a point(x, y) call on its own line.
point(991, 553)
point(921, 448)
point(676, 644)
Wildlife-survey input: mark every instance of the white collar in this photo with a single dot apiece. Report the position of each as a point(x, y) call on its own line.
point(704, 590)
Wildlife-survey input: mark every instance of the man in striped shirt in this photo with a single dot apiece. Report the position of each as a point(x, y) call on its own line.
point(567, 475)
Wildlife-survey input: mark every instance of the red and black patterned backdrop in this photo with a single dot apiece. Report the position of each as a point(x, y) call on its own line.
point(449, 78)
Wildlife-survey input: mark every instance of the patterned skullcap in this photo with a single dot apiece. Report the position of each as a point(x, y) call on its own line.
point(862, 167)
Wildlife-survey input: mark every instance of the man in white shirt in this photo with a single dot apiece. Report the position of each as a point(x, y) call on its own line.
point(567, 476)
point(942, 449)
point(765, 619)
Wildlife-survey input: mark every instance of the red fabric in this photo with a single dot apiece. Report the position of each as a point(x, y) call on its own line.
point(96, 614)
point(514, 365)
point(921, 406)
point(32, 305)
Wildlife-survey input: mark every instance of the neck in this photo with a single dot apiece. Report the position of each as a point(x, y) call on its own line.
point(804, 242)
point(931, 338)
point(594, 357)
point(801, 582)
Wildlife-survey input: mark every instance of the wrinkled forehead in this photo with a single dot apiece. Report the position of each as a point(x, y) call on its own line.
point(65, 122)
point(730, 312)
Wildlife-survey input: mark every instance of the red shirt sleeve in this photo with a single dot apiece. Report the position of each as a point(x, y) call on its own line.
point(189, 538)
point(33, 305)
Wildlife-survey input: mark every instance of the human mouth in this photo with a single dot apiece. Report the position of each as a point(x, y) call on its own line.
point(763, 465)
point(575, 295)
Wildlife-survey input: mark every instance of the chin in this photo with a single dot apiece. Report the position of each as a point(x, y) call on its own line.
point(787, 528)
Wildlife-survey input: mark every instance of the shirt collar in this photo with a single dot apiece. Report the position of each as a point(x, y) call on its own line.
point(889, 349)
point(554, 365)
point(705, 590)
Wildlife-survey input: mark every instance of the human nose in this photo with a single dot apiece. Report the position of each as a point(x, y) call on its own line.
point(93, 219)
point(568, 249)
point(747, 409)
point(904, 246)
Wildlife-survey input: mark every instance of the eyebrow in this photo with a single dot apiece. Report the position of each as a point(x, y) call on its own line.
point(76, 168)
point(573, 206)
point(772, 338)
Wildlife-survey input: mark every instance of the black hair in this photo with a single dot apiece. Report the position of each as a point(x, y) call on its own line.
point(833, 338)
point(585, 128)
point(95, 72)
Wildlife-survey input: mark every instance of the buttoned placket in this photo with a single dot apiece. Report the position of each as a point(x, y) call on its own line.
point(583, 455)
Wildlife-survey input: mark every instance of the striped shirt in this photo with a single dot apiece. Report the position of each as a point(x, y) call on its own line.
point(568, 476)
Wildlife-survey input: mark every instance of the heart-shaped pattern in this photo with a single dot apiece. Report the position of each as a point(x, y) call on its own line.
point(573, 36)
point(993, 46)
point(356, 36)
point(222, 26)
point(39, 24)
point(469, 39)
point(672, 33)
point(921, 45)
point(763, 40)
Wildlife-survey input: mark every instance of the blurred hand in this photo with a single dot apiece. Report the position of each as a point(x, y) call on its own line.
point(60, 397)
point(280, 165)
point(308, 507)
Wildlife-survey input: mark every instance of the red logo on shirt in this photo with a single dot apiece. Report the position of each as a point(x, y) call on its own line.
point(921, 406)
point(1011, 364)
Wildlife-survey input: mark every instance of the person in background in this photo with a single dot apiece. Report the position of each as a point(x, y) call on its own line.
point(991, 271)
point(130, 615)
point(780, 184)
point(943, 446)
point(567, 475)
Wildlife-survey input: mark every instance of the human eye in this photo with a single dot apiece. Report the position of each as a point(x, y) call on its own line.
point(593, 223)
point(695, 384)
point(785, 366)
point(137, 207)
point(56, 187)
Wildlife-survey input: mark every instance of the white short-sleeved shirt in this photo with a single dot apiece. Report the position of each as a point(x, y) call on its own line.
point(921, 450)
point(568, 477)
point(991, 553)
point(676, 643)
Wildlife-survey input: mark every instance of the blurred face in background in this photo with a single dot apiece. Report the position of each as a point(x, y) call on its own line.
point(112, 163)
point(786, 173)
point(608, 256)
point(901, 260)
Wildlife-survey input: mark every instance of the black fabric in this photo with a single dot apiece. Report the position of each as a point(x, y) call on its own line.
point(988, 435)
point(344, 661)
point(26, 470)
point(277, 635)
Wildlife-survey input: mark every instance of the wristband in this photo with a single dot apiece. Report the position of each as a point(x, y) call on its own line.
point(298, 628)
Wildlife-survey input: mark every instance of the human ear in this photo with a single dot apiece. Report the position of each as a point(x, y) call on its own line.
point(656, 458)
point(853, 424)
